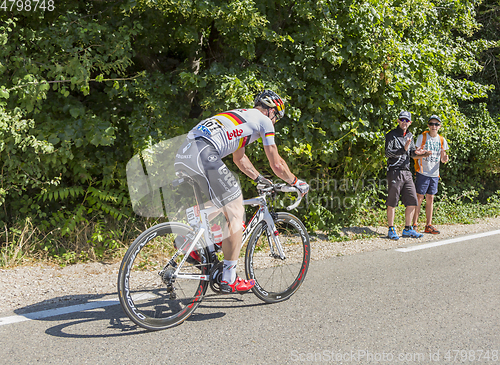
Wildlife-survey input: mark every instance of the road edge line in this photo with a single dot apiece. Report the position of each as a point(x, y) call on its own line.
point(447, 242)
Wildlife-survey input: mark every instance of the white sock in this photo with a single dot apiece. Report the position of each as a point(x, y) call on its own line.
point(229, 271)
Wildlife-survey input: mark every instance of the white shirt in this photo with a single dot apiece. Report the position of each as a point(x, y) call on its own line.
point(429, 166)
point(235, 129)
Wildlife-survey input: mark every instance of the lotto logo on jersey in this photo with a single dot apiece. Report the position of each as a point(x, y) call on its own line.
point(235, 133)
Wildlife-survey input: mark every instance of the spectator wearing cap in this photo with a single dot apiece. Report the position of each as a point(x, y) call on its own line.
point(399, 149)
point(427, 169)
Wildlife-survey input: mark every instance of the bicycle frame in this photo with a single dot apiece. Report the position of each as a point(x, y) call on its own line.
point(263, 214)
point(202, 229)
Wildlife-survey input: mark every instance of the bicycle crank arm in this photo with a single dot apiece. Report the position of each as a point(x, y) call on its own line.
point(194, 276)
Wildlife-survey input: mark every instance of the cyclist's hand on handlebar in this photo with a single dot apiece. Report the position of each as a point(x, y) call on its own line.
point(302, 186)
point(263, 181)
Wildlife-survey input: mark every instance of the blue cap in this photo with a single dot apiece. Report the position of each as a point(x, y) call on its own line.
point(404, 115)
point(435, 117)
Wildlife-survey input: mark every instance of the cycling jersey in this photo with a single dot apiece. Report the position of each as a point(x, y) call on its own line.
point(234, 129)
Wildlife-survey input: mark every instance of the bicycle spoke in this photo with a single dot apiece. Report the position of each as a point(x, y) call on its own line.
point(155, 301)
point(277, 279)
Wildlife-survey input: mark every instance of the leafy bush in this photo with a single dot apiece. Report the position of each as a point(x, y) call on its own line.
point(86, 87)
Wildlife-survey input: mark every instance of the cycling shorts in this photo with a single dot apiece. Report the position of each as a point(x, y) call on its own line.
point(199, 159)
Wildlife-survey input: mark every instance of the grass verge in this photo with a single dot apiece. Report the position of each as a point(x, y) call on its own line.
point(24, 243)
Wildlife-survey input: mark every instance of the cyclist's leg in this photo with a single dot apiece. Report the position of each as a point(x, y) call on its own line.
point(223, 189)
point(231, 247)
point(227, 192)
point(233, 212)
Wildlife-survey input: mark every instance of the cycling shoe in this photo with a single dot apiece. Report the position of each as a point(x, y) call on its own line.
point(239, 286)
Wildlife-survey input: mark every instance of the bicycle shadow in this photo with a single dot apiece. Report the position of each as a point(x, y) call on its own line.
point(112, 313)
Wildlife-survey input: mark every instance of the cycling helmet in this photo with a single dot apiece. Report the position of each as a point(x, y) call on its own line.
point(271, 100)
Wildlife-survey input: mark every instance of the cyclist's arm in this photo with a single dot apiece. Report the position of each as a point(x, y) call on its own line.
point(278, 165)
point(244, 164)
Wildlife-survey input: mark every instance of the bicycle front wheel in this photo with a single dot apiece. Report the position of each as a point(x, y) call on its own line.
point(149, 295)
point(278, 279)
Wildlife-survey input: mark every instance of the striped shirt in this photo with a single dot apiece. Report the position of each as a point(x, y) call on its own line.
point(234, 129)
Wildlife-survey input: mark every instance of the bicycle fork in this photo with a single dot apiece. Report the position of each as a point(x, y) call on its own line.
point(273, 238)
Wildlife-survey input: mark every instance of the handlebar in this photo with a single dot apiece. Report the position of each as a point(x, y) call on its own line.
point(283, 188)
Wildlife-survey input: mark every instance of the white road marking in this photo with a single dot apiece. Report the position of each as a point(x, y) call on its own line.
point(57, 311)
point(65, 310)
point(447, 242)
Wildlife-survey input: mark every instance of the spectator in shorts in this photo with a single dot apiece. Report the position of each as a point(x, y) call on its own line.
point(427, 169)
point(399, 148)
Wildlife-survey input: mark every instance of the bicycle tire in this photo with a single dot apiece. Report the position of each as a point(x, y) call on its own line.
point(277, 280)
point(143, 294)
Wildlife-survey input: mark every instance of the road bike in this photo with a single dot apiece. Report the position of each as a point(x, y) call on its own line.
point(277, 257)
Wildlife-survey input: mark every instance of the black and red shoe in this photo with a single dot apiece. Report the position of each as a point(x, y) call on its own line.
point(430, 229)
point(239, 286)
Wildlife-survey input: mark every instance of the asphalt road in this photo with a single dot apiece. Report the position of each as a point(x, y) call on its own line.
point(437, 305)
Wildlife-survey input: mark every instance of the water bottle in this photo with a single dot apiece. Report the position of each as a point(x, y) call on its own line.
point(217, 234)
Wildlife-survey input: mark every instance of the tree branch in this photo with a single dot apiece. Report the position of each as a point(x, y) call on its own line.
point(65, 81)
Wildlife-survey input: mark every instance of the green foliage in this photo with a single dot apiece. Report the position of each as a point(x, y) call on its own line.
point(489, 17)
point(475, 154)
point(85, 87)
point(463, 208)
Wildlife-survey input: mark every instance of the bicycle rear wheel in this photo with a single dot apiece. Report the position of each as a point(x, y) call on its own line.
point(277, 280)
point(155, 301)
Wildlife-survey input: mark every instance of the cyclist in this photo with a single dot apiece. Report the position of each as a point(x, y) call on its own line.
point(201, 158)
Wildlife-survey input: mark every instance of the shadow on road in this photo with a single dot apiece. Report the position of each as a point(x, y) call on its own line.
point(213, 306)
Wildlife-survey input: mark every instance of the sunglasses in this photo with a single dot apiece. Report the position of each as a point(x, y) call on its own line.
point(434, 124)
point(276, 115)
point(405, 120)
